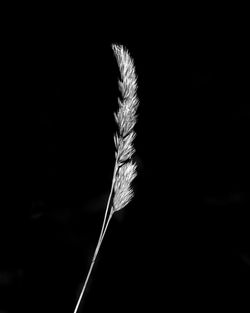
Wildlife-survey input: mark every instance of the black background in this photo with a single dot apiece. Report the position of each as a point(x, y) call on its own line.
point(183, 240)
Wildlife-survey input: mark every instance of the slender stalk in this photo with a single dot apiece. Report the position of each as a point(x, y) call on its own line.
point(101, 239)
point(92, 264)
point(125, 119)
point(110, 194)
point(101, 236)
point(104, 231)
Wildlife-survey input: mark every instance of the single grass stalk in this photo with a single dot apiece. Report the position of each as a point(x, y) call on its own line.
point(124, 173)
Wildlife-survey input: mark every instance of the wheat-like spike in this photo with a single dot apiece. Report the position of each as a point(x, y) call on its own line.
point(126, 119)
point(124, 173)
point(123, 192)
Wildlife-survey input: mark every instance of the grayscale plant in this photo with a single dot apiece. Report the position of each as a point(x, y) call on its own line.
point(124, 173)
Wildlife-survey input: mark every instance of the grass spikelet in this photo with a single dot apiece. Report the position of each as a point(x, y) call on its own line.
point(123, 192)
point(124, 173)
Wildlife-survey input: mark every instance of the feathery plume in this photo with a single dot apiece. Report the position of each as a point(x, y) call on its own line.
point(123, 192)
point(124, 173)
point(126, 119)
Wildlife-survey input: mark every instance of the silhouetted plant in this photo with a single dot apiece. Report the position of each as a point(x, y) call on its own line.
point(124, 173)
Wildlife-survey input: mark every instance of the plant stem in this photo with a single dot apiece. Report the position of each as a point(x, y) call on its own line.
point(101, 236)
point(104, 231)
point(110, 194)
point(92, 265)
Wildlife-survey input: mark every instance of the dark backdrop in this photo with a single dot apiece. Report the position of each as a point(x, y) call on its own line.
point(183, 241)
